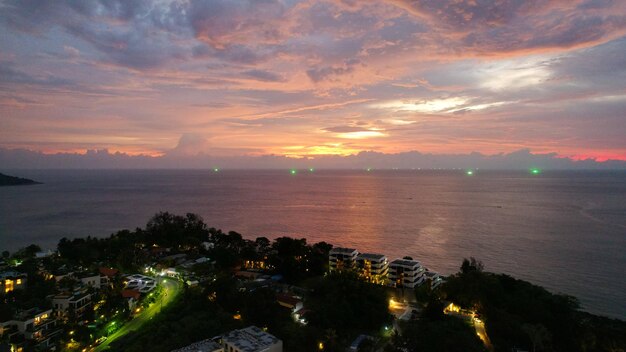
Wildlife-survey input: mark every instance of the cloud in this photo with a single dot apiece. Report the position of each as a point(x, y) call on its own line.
point(190, 144)
point(262, 75)
point(329, 72)
point(222, 23)
point(493, 27)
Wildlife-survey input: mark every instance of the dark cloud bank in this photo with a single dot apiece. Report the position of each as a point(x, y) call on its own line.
point(102, 159)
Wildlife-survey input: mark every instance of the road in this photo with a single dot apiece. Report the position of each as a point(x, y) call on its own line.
point(482, 333)
point(171, 289)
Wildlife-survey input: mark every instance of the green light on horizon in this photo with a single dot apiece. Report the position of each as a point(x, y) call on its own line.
point(535, 171)
point(311, 169)
point(216, 169)
point(293, 171)
point(469, 172)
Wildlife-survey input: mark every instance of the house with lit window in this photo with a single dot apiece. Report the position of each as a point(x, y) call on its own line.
point(342, 258)
point(406, 273)
point(30, 329)
point(373, 267)
point(11, 280)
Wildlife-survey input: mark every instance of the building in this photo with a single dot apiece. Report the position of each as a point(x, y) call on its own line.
point(251, 264)
point(30, 328)
point(92, 280)
point(75, 303)
point(207, 345)
point(342, 258)
point(373, 267)
point(143, 284)
point(288, 301)
point(251, 339)
point(12, 280)
point(434, 278)
point(406, 273)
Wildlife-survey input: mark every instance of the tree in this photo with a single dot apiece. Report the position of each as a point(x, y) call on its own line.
point(538, 334)
point(471, 265)
point(344, 303)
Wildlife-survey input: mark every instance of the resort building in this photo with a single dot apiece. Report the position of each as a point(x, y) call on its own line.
point(251, 339)
point(434, 278)
point(75, 303)
point(11, 280)
point(373, 267)
point(143, 284)
point(342, 258)
point(33, 328)
point(406, 273)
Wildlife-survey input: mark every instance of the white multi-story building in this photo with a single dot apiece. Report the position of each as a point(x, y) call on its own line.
point(251, 339)
point(77, 303)
point(373, 267)
point(38, 327)
point(342, 258)
point(434, 278)
point(406, 273)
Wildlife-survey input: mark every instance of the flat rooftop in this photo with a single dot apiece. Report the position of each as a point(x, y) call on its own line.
point(342, 250)
point(250, 339)
point(405, 262)
point(11, 275)
point(371, 256)
point(207, 345)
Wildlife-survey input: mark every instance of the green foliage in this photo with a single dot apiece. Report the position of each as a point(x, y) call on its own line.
point(471, 265)
point(348, 306)
point(445, 334)
point(192, 317)
point(27, 252)
point(517, 313)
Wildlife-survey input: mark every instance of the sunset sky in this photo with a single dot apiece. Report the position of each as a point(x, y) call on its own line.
point(306, 78)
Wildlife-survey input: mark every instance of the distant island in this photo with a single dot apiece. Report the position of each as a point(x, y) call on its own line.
point(6, 180)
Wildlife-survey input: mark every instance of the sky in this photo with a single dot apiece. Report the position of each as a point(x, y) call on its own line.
point(312, 80)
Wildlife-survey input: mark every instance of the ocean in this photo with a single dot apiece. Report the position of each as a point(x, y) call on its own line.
point(564, 230)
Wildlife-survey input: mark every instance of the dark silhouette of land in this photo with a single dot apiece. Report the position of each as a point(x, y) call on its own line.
point(6, 180)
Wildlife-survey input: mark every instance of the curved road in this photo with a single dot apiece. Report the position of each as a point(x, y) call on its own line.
point(171, 289)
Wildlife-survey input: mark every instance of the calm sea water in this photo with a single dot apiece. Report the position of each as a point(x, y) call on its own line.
point(563, 230)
